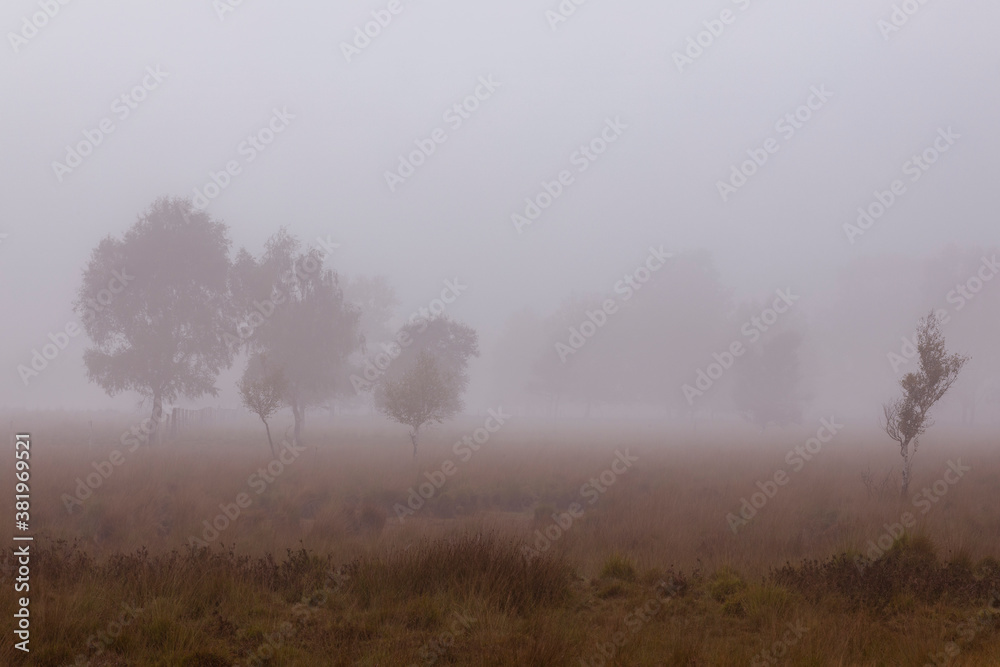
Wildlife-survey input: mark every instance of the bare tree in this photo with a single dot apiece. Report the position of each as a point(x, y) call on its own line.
point(907, 417)
point(262, 391)
point(161, 299)
point(425, 393)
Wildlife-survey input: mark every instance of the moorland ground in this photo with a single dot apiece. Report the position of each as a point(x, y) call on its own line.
point(588, 543)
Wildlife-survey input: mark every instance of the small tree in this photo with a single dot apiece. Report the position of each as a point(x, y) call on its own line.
point(907, 417)
point(425, 393)
point(261, 391)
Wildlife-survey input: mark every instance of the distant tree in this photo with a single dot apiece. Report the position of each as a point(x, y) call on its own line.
point(375, 298)
point(425, 383)
point(972, 320)
point(907, 418)
point(294, 311)
point(517, 345)
point(452, 343)
point(426, 393)
point(669, 329)
point(159, 334)
point(888, 292)
point(262, 391)
point(377, 301)
point(767, 381)
point(570, 365)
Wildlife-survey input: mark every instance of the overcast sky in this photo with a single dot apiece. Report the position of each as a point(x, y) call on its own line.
point(555, 86)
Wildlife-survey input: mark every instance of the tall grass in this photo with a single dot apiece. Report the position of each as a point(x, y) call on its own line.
point(319, 569)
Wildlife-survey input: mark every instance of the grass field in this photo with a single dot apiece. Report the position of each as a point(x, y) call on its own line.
point(587, 544)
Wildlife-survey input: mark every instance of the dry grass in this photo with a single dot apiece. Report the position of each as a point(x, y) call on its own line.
point(352, 585)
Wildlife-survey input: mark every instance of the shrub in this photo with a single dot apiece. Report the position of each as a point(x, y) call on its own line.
point(618, 566)
point(724, 584)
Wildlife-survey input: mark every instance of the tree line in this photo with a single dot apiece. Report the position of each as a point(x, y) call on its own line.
point(191, 310)
point(683, 343)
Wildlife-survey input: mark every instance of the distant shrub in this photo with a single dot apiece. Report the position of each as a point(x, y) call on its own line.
point(724, 584)
point(618, 566)
point(910, 569)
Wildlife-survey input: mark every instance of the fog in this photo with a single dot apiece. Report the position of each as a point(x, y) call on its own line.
point(535, 333)
point(183, 85)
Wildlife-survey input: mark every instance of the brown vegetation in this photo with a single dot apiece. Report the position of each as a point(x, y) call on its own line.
point(352, 585)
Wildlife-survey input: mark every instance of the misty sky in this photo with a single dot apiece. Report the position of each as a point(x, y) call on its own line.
point(323, 176)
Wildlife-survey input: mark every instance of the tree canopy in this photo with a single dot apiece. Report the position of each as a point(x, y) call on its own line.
point(293, 310)
point(153, 303)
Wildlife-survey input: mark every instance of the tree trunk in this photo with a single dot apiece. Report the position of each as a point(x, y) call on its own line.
point(269, 440)
point(299, 415)
point(157, 417)
point(414, 436)
point(907, 464)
